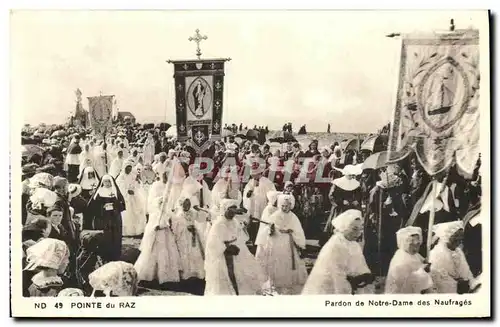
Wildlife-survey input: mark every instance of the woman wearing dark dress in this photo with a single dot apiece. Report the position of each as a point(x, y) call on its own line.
point(313, 149)
point(104, 213)
point(345, 194)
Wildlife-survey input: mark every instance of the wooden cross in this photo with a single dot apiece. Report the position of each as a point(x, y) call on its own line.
point(198, 38)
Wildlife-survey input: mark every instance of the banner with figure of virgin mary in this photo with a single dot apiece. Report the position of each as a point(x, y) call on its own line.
point(199, 99)
point(437, 107)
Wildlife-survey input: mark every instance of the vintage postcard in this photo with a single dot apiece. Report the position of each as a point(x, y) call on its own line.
point(250, 164)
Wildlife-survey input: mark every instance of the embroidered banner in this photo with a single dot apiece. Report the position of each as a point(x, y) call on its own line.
point(437, 113)
point(100, 112)
point(199, 86)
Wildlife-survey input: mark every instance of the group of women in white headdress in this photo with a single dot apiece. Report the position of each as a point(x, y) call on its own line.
point(49, 258)
point(188, 239)
point(174, 239)
point(341, 266)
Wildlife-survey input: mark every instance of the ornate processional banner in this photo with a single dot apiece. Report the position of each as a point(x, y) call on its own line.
point(100, 112)
point(199, 86)
point(437, 107)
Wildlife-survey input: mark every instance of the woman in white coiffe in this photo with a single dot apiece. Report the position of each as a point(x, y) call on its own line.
point(230, 268)
point(187, 226)
point(449, 268)
point(159, 259)
point(408, 272)
point(341, 266)
point(134, 217)
point(279, 254)
point(215, 210)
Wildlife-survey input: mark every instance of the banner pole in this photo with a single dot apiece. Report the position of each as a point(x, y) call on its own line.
point(105, 152)
point(432, 214)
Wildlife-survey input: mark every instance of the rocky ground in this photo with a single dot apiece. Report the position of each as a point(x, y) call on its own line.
point(130, 252)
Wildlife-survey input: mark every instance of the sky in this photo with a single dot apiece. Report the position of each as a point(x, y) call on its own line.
point(305, 67)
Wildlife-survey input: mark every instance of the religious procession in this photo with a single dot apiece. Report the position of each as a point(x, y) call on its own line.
point(111, 207)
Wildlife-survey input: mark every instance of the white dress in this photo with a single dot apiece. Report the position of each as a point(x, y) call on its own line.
point(155, 192)
point(86, 160)
point(116, 167)
point(101, 161)
point(203, 221)
point(406, 274)
point(190, 245)
point(134, 217)
point(149, 150)
point(261, 238)
point(159, 258)
point(247, 271)
point(337, 259)
point(447, 267)
point(279, 256)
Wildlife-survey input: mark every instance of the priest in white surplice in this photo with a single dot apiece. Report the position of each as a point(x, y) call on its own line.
point(230, 268)
point(279, 254)
point(341, 266)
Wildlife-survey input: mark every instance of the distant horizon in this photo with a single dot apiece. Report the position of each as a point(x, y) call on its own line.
point(295, 127)
point(334, 67)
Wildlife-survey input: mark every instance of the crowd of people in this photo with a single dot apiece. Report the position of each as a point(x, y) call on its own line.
point(239, 229)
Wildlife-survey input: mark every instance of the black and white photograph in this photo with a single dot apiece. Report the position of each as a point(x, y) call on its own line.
point(336, 163)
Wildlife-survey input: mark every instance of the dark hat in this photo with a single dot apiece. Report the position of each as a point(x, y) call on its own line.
point(29, 169)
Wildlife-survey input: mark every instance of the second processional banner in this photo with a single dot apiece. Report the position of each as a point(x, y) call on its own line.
point(100, 112)
point(437, 105)
point(199, 86)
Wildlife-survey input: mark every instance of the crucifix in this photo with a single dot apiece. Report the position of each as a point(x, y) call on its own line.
point(198, 38)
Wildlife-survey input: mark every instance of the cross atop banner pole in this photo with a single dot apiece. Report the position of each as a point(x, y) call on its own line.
point(199, 86)
point(198, 38)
